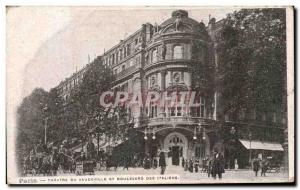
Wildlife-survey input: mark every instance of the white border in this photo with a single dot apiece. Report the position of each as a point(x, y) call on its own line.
point(3, 3)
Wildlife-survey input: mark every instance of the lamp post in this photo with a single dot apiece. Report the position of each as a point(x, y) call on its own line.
point(250, 150)
point(232, 132)
point(45, 125)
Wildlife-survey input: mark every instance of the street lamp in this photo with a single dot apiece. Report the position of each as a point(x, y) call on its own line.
point(195, 133)
point(145, 137)
point(153, 137)
point(250, 150)
point(45, 125)
point(232, 139)
point(203, 136)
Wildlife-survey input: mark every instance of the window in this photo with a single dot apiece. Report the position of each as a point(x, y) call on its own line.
point(154, 56)
point(177, 52)
point(153, 110)
point(113, 58)
point(253, 114)
point(242, 114)
point(117, 57)
point(199, 110)
point(128, 49)
point(123, 67)
point(202, 107)
point(172, 111)
point(274, 118)
point(175, 111)
point(120, 55)
point(176, 140)
point(179, 111)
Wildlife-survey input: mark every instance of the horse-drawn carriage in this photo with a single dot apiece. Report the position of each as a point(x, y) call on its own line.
point(273, 165)
point(85, 167)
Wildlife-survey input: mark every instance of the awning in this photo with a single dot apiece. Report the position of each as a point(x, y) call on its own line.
point(259, 145)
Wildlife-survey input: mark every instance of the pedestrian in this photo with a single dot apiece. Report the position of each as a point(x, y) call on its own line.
point(217, 165)
point(126, 162)
point(191, 168)
point(162, 162)
point(209, 166)
point(90, 147)
point(264, 167)
point(186, 165)
point(196, 166)
point(182, 162)
point(256, 165)
point(147, 162)
point(155, 163)
point(40, 151)
point(54, 161)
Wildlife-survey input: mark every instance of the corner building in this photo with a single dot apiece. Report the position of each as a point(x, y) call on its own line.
point(163, 58)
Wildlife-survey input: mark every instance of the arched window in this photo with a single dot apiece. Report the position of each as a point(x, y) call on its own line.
point(177, 52)
point(154, 56)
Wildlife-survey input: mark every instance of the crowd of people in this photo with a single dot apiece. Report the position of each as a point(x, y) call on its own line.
point(48, 160)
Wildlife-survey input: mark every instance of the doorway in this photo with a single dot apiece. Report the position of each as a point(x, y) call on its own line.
point(177, 145)
point(175, 155)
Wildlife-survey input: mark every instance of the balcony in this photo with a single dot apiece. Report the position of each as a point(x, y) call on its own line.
point(128, 71)
point(184, 120)
point(170, 62)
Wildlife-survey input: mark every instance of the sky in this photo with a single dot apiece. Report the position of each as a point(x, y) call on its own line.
point(47, 44)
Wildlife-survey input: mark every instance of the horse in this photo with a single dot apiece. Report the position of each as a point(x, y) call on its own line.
point(46, 167)
point(66, 163)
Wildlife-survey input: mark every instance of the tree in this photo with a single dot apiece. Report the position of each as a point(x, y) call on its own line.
point(83, 112)
point(252, 59)
point(31, 121)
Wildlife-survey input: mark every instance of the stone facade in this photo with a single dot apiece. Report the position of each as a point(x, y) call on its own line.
point(160, 58)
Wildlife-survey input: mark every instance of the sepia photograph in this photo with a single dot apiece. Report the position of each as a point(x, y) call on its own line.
point(149, 95)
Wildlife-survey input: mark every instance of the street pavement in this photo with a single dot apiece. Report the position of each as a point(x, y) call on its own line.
point(231, 176)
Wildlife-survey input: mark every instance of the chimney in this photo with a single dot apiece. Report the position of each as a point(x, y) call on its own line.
point(149, 31)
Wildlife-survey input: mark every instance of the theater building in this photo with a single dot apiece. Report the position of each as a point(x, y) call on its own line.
point(163, 58)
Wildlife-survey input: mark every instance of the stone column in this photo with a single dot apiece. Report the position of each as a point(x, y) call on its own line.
point(162, 112)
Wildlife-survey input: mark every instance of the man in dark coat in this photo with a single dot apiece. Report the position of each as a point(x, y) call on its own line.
point(54, 161)
point(90, 149)
point(162, 162)
point(217, 165)
point(126, 162)
point(256, 165)
point(182, 162)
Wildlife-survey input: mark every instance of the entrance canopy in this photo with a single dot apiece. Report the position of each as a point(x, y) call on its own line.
point(260, 145)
